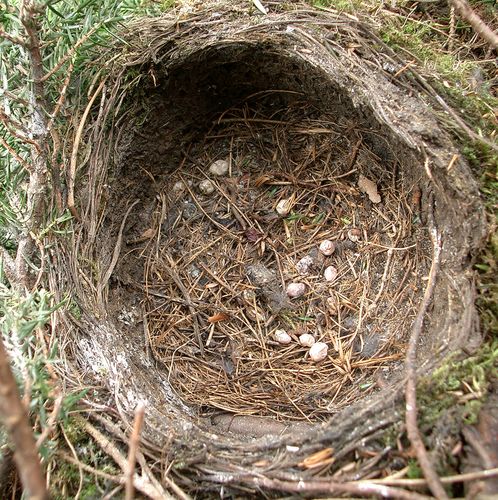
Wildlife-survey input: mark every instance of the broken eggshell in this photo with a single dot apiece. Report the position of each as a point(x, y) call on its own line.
point(206, 187)
point(327, 247)
point(178, 187)
point(295, 290)
point(283, 207)
point(282, 337)
point(306, 340)
point(318, 351)
point(305, 264)
point(354, 234)
point(330, 273)
point(219, 168)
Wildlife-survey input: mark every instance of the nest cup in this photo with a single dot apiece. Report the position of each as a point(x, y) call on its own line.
point(186, 288)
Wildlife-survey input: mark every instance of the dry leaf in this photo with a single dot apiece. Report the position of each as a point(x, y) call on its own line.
point(218, 317)
point(262, 180)
point(322, 457)
point(369, 187)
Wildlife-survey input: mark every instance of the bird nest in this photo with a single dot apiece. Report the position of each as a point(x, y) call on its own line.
point(250, 179)
point(267, 201)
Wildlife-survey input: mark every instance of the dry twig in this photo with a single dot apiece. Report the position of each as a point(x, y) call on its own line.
point(479, 26)
point(411, 367)
point(15, 418)
point(133, 447)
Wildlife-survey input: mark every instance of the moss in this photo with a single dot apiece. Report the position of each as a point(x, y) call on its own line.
point(459, 383)
point(414, 471)
point(65, 479)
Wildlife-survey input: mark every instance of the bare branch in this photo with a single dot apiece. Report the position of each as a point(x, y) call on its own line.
point(132, 451)
point(323, 486)
point(15, 418)
point(62, 97)
point(12, 38)
point(411, 368)
point(478, 25)
point(69, 55)
point(14, 154)
point(141, 483)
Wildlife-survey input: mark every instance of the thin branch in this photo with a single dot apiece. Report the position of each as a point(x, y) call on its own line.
point(9, 268)
point(62, 97)
point(141, 483)
point(15, 418)
point(478, 25)
point(459, 478)
point(74, 153)
point(16, 40)
point(14, 154)
point(52, 421)
point(322, 486)
point(69, 55)
point(411, 367)
point(14, 128)
point(132, 451)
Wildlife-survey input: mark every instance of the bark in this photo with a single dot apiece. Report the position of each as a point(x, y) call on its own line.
point(15, 418)
point(38, 175)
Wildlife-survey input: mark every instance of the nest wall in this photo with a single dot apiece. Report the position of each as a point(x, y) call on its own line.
point(188, 73)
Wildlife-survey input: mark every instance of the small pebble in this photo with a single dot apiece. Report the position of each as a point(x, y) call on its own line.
point(206, 187)
point(296, 290)
point(219, 167)
point(330, 273)
point(306, 340)
point(318, 351)
point(283, 207)
point(178, 187)
point(354, 234)
point(305, 264)
point(282, 337)
point(327, 247)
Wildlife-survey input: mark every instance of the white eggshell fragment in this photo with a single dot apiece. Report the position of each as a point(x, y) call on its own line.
point(306, 340)
point(327, 247)
point(296, 290)
point(219, 167)
point(330, 273)
point(354, 234)
point(332, 305)
point(305, 264)
point(282, 337)
point(178, 187)
point(206, 187)
point(283, 207)
point(318, 351)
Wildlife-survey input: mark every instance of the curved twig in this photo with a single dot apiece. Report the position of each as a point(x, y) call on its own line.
point(411, 367)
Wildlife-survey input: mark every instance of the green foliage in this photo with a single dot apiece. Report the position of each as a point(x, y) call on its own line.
point(414, 470)
point(22, 322)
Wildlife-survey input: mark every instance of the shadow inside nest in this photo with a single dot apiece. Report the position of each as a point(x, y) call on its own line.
point(219, 252)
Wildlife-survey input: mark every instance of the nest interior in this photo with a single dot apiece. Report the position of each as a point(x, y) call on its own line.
point(181, 309)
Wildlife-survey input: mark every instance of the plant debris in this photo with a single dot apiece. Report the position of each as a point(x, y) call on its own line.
point(370, 188)
point(292, 280)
